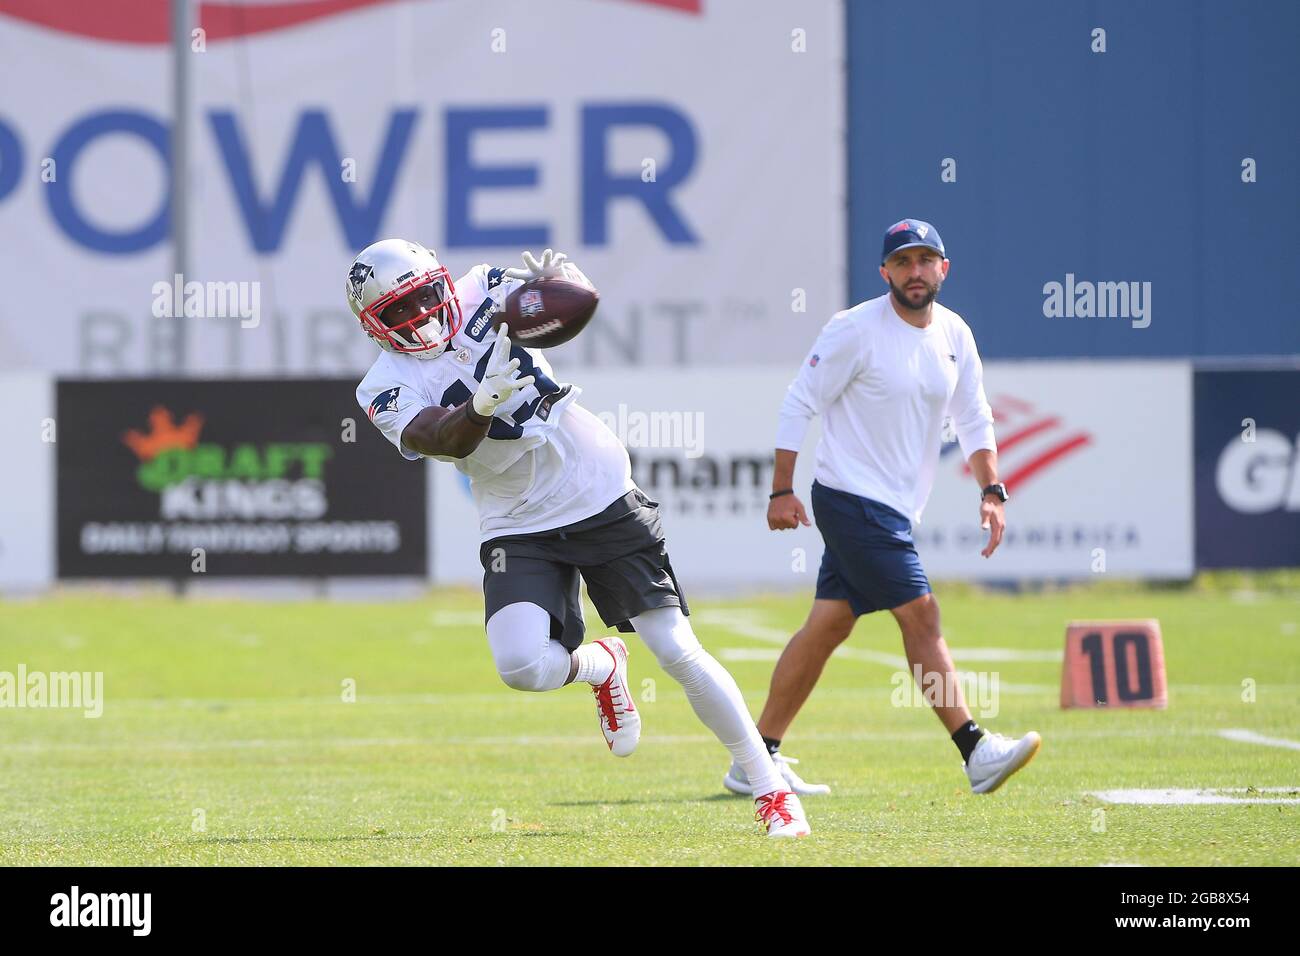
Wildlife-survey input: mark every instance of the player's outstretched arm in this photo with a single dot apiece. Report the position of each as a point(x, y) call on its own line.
point(446, 432)
point(456, 433)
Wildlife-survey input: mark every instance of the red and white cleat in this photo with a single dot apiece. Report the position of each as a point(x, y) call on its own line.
point(619, 720)
point(782, 814)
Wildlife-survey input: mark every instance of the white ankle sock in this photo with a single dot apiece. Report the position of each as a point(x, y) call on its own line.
point(595, 664)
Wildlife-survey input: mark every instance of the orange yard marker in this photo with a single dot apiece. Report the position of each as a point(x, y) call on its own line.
point(1114, 664)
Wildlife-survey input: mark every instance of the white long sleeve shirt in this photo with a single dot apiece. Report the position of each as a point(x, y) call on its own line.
point(883, 388)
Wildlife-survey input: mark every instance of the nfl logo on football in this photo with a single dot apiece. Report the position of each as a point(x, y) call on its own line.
point(530, 303)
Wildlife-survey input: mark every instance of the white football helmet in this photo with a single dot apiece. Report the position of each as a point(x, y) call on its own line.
point(404, 298)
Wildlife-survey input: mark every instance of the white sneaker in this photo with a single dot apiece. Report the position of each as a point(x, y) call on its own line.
point(737, 781)
point(782, 814)
point(996, 757)
point(619, 720)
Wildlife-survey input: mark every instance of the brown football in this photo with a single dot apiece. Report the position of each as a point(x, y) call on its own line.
point(543, 313)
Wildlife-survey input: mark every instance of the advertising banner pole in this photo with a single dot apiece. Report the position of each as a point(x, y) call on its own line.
point(172, 357)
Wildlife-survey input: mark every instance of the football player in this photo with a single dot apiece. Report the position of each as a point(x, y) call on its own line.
point(555, 498)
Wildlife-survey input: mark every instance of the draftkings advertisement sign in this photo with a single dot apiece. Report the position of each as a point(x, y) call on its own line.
point(173, 478)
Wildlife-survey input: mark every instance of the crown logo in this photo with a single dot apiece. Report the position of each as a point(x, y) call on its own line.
point(163, 434)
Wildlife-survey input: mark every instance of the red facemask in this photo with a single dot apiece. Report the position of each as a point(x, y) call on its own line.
point(445, 316)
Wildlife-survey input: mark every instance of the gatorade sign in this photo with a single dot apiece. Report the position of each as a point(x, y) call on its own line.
point(1247, 468)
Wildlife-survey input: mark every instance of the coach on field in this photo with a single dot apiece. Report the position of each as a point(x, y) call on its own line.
point(883, 375)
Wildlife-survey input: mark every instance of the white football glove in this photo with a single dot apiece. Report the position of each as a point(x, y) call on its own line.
point(551, 267)
point(501, 378)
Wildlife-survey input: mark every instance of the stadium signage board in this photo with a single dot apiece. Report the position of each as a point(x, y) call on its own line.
point(1248, 468)
point(179, 478)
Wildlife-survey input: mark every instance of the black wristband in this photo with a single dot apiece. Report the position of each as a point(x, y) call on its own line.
point(778, 494)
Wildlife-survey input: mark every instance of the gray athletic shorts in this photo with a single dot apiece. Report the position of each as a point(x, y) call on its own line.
point(620, 553)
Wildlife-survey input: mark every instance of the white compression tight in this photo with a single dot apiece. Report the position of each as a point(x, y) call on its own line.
point(527, 659)
point(711, 690)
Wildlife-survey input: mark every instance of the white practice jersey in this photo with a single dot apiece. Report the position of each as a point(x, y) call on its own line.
point(883, 388)
point(546, 461)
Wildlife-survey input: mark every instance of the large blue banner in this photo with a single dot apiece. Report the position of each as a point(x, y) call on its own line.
point(1111, 178)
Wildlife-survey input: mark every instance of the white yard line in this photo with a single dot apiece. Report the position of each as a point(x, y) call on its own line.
point(456, 618)
point(1250, 737)
point(1004, 654)
point(743, 621)
point(506, 696)
point(896, 661)
point(744, 625)
point(302, 743)
point(1184, 797)
point(768, 654)
point(523, 740)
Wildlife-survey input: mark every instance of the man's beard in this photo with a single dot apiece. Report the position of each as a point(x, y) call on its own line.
point(900, 296)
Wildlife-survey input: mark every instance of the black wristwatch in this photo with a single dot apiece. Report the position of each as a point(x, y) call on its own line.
point(998, 489)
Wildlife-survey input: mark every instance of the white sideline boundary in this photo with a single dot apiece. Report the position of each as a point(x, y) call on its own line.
point(742, 621)
point(741, 624)
point(520, 740)
point(1250, 737)
point(1188, 797)
point(768, 654)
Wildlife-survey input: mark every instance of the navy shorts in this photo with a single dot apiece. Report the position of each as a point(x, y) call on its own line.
point(870, 558)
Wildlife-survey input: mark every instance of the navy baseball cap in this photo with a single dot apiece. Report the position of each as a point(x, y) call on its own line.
point(908, 234)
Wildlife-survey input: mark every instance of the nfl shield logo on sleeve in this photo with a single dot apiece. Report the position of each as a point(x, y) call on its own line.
point(812, 362)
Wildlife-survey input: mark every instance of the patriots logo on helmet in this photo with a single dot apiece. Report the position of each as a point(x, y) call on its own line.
point(361, 271)
point(384, 402)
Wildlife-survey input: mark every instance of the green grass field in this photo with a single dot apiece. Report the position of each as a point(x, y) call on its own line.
point(225, 739)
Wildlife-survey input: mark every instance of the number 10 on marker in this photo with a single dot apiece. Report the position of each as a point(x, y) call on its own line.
point(1114, 664)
